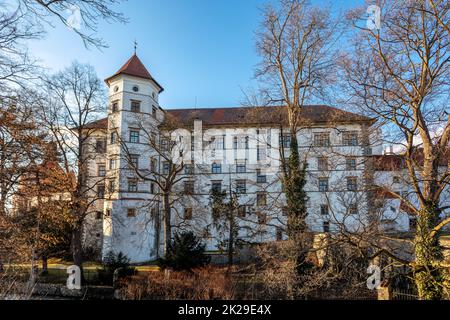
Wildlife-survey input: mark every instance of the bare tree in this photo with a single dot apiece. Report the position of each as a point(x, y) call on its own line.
point(86, 13)
point(400, 75)
point(75, 99)
point(15, 64)
point(19, 136)
point(296, 46)
point(22, 20)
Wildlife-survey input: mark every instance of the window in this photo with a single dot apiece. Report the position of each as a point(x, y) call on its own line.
point(322, 139)
point(113, 137)
point(350, 163)
point(285, 211)
point(323, 184)
point(101, 170)
point(395, 179)
point(322, 164)
point(260, 177)
point(324, 210)
point(189, 168)
point(166, 167)
point(352, 183)
point(111, 186)
point(98, 215)
point(240, 142)
point(165, 145)
point(216, 186)
point(100, 146)
point(261, 199)
point(279, 233)
point(152, 188)
point(115, 106)
point(216, 213)
point(134, 162)
point(241, 168)
point(131, 212)
point(135, 88)
point(262, 217)
point(108, 213)
point(101, 192)
point(112, 164)
point(242, 211)
point(367, 151)
point(189, 187)
point(353, 209)
point(350, 138)
point(285, 140)
point(135, 106)
point(261, 154)
point(153, 165)
point(216, 168)
point(412, 223)
point(217, 143)
point(154, 110)
point(187, 213)
point(132, 185)
point(153, 138)
point(326, 226)
point(241, 186)
point(134, 136)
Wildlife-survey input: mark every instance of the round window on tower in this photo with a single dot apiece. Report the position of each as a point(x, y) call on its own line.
point(135, 88)
point(116, 88)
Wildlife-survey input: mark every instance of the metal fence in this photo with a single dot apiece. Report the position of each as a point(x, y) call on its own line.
point(404, 295)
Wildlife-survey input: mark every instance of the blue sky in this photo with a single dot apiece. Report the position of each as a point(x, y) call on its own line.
point(197, 49)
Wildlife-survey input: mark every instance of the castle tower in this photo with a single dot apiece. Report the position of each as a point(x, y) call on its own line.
point(133, 112)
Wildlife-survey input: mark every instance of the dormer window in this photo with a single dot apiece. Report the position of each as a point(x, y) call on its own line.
point(135, 88)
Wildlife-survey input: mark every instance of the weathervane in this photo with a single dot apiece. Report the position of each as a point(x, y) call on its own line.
point(135, 46)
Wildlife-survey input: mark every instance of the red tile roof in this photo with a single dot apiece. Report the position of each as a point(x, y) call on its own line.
point(244, 116)
point(134, 67)
point(389, 162)
point(396, 162)
point(99, 124)
point(264, 115)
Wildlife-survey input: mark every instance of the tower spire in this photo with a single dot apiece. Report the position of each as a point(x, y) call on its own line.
point(135, 46)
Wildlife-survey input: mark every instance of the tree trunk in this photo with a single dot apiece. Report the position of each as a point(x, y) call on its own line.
point(230, 242)
point(33, 274)
point(167, 222)
point(294, 182)
point(77, 249)
point(427, 273)
point(157, 233)
point(44, 265)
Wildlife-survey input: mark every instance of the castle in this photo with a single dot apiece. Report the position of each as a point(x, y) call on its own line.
point(236, 150)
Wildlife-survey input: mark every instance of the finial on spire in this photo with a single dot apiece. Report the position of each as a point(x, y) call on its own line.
point(135, 46)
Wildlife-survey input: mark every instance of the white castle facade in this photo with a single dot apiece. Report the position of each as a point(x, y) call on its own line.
point(239, 152)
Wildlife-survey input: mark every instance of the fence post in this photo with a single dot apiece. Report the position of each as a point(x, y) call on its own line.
point(384, 293)
point(116, 277)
